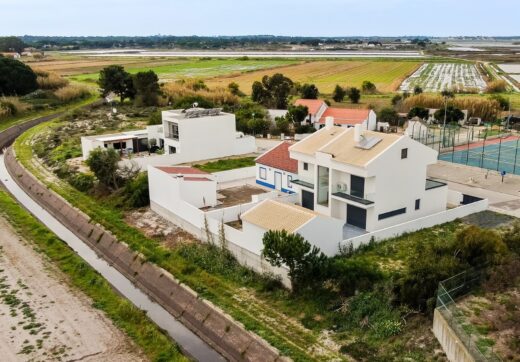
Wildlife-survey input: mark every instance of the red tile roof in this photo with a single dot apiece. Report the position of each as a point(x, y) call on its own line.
point(278, 158)
point(182, 170)
point(312, 104)
point(346, 115)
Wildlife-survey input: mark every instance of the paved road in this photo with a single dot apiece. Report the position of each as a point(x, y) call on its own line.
point(191, 344)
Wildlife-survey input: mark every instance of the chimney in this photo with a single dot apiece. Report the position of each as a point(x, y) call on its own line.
point(357, 133)
point(329, 122)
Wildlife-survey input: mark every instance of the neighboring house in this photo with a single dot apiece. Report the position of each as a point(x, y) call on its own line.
point(276, 169)
point(368, 180)
point(125, 142)
point(344, 117)
point(185, 135)
point(167, 185)
point(323, 232)
point(204, 134)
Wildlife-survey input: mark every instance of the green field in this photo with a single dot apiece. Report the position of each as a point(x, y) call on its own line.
point(197, 68)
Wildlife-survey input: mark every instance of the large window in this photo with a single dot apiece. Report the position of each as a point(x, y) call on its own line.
point(173, 131)
point(357, 186)
point(263, 173)
point(323, 186)
point(386, 215)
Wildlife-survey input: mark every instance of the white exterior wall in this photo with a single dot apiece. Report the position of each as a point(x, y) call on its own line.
point(269, 180)
point(87, 145)
point(199, 193)
point(156, 133)
point(399, 182)
point(325, 233)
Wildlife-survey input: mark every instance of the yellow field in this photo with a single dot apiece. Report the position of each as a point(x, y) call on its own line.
point(386, 75)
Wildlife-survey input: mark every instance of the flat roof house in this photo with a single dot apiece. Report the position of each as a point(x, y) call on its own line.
point(368, 180)
point(343, 117)
point(203, 134)
point(276, 169)
point(125, 142)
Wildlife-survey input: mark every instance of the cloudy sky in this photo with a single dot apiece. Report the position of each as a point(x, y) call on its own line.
point(277, 17)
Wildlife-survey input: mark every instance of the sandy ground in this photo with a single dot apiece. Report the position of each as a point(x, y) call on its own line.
point(43, 319)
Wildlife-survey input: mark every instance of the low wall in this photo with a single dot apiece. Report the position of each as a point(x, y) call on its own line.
point(236, 174)
point(418, 224)
point(450, 343)
point(211, 324)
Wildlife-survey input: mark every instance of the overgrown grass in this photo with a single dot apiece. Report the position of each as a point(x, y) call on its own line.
point(154, 343)
point(225, 165)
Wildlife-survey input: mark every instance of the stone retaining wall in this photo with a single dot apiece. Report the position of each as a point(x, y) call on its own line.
point(455, 350)
point(210, 323)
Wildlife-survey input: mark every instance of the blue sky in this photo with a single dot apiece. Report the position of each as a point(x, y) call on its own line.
point(277, 17)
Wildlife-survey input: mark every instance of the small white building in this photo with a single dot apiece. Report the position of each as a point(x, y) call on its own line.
point(319, 111)
point(125, 142)
point(203, 134)
point(185, 135)
point(276, 169)
point(168, 185)
point(368, 180)
point(324, 232)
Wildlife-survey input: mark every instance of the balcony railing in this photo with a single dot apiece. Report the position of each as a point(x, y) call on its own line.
point(432, 184)
point(350, 197)
point(303, 183)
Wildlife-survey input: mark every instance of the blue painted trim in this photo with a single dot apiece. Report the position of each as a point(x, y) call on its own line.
point(265, 184)
point(287, 191)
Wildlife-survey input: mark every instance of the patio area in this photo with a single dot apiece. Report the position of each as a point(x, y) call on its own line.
point(351, 231)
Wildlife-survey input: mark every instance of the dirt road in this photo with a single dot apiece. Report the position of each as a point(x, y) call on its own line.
point(42, 318)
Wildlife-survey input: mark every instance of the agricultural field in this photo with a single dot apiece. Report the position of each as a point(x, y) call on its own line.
point(386, 75)
point(87, 69)
point(435, 77)
point(510, 68)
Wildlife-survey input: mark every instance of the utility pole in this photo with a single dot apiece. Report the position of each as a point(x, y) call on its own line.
point(445, 115)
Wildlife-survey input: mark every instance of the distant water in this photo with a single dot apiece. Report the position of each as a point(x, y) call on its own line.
point(252, 54)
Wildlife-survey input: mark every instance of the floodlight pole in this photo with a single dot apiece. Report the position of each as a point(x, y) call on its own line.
point(444, 127)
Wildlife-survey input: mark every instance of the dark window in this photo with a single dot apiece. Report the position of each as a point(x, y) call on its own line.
point(305, 166)
point(173, 150)
point(417, 204)
point(386, 215)
point(308, 200)
point(173, 131)
point(404, 153)
point(263, 173)
point(357, 186)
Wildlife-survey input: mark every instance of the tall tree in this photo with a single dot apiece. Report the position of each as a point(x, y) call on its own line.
point(420, 112)
point(297, 114)
point(339, 93)
point(272, 92)
point(146, 85)
point(309, 91)
point(16, 78)
point(368, 87)
point(354, 95)
point(389, 115)
point(11, 44)
point(115, 79)
point(453, 114)
point(104, 164)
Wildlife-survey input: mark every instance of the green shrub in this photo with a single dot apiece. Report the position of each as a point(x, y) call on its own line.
point(480, 246)
point(136, 191)
point(82, 181)
point(352, 275)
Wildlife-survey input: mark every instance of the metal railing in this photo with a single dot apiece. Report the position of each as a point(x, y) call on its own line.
point(451, 290)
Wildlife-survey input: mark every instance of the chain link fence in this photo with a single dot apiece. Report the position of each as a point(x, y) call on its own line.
point(452, 289)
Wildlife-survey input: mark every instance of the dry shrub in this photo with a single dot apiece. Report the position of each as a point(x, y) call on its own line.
point(11, 106)
point(71, 92)
point(487, 109)
point(51, 81)
point(497, 86)
point(217, 96)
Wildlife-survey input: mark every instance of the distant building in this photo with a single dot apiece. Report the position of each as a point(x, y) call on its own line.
point(343, 117)
point(276, 169)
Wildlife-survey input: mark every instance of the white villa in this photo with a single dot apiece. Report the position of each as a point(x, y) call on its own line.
point(190, 135)
point(367, 179)
point(343, 117)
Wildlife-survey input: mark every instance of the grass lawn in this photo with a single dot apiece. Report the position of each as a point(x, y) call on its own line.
point(156, 345)
point(387, 75)
point(188, 68)
point(229, 164)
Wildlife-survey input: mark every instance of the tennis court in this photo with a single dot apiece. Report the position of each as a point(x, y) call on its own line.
point(498, 154)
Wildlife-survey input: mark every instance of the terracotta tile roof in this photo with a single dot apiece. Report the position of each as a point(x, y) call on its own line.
point(277, 216)
point(345, 115)
point(278, 157)
point(182, 170)
point(312, 104)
